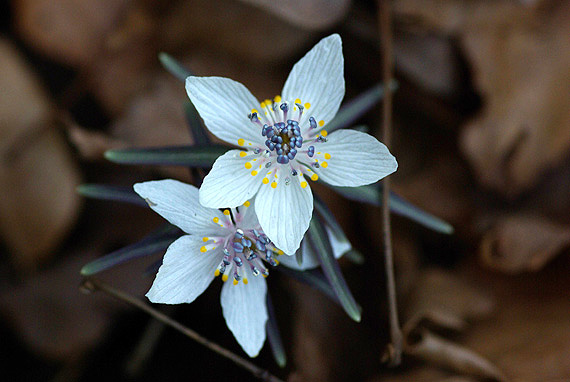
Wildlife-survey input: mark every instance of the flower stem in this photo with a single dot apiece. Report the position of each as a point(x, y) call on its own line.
point(394, 350)
point(92, 285)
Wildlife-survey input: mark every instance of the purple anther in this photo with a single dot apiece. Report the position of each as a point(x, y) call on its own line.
point(282, 159)
point(237, 277)
point(238, 261)
point(311, 151)
point(299, 142)
point(255, 271)
point(312, 122)
point(290, 155)
point(252, 257)
point(245, 242)
point(260, 245)
point(268, 254)
point(297, 132)
point(294, 172)
point(289, 121)
point(270, 145)
point(299, 106)
point(293, 151)
point(237, 247)
point(253, 117)
point(270, 132)
point(284, 107)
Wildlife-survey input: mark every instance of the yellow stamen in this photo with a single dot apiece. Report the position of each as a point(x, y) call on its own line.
point(217, 273)
point(324, 132)
point(235, 282)
point(227, 212)
point(247, 203)
point(303, 184)
point(321, 123)
point(265, 181)
point(314, 177)
point(327, 156)
point(324, 164)
point(203, 249)
point(277, 98)
point(245, 281)
point(216, 219)
point(241, 141)
point(205, 239)
point(280, 252)
point(254, 173)
point(273, 184)
point(248, 165)
point(242, 154)
point(307, 105)
point(253, 111)
point(298, 100)
point(225, 278)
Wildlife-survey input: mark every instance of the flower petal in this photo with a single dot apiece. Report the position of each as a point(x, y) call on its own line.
point(356, 159)
point(245, 309)
point(247, 219)
point(230, 183)
point(185, 272)
point(310, 259)
point(178, 203)
point(224, 105)
point(318, 78)
point(284, 212)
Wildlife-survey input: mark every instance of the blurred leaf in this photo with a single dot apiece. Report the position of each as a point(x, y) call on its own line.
point(319, 241)
point(197, 130)
point(357, 107)
point(355, 256)
point(372, 194)
point(173, 66)
point(156, 241)
point(109, 192)
point(191, 156)
point(273, 335)
point(313, 278)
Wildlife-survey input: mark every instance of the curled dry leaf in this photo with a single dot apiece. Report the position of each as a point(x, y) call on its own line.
point(522, 243)
point(309, 14)
point(69, 31)
point(423, 344)
point(37, 173)
point(442, 300)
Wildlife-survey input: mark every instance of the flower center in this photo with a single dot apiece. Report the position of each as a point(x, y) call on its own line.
point(245, 252)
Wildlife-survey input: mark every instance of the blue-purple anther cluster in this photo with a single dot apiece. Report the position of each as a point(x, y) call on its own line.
point(285, 138)
point(244, 248)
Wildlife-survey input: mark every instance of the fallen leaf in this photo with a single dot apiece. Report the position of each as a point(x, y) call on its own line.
point(522, 243)
point(38, 175)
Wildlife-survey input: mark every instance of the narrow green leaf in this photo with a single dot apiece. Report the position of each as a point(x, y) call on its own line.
point(313, 278)
point(197, 129)
point(319, 241)
point(358, 107)
point(372, 194)
point(190, 156)
point(173, 66)
point(156, 241)
point(355, 256)
point(109, 192)
point(274, 336)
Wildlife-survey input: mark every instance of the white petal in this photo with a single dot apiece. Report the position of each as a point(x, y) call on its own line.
point(178, 203)
point(318, 78)
point(245, 309)
point(356, 159)
point(230, 183)
point(310, 260)
point(284, 212)
point(247, 219)
point(224, 105)
point(185, 272)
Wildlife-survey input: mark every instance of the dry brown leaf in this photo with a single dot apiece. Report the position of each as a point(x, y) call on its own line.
point(309, 14)
point(91, 144)
point(37, 173)
point(69, 31)
point(423, 344)
point(240, 30)
point(522, 243)
point(521, 65)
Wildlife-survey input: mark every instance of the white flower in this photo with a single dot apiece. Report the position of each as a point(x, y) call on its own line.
point(237, 249)
point(282, 144)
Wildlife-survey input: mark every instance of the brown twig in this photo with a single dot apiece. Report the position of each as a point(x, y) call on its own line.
point(93, 285)
point(394, 351)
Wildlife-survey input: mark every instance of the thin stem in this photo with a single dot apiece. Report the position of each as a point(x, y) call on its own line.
point(93, 285)
point(394, 350)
